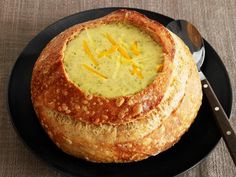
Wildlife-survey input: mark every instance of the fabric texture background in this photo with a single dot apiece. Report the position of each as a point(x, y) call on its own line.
point(21, 20)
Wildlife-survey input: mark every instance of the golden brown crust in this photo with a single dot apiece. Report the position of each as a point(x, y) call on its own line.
point(106, 146)
point(146, 132)
point(52, 88)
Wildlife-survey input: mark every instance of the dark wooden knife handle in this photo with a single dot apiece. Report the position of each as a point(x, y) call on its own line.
point(221, 119)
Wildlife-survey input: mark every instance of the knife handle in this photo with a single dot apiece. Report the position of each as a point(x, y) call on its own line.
point(221, 119)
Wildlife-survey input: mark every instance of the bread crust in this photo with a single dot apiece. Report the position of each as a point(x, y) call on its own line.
point(170, 104)
point(52, 87)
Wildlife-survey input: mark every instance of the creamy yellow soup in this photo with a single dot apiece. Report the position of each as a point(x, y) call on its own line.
point(112, 60)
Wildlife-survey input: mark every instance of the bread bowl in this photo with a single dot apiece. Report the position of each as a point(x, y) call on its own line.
point(128, 117)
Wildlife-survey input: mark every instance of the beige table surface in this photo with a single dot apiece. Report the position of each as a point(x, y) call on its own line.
point(21, 20)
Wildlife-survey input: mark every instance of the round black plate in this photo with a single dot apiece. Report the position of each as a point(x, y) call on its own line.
point(192, 148)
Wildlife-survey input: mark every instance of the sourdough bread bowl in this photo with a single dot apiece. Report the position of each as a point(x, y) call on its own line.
point(116, 89)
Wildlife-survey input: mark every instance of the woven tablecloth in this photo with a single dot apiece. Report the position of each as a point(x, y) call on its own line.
point(20, 21)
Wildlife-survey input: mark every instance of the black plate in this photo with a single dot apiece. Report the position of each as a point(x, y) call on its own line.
point(191, 149)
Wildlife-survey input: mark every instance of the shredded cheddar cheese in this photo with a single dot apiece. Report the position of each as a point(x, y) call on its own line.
point(89, 53)
point(119, 48)
point(110, 39)
point(136, 71)
point(90, 69)
point(134, 48)
point(123, 53)
point(107, 52)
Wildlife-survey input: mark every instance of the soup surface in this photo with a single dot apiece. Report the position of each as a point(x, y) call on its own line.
point(112, 60)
